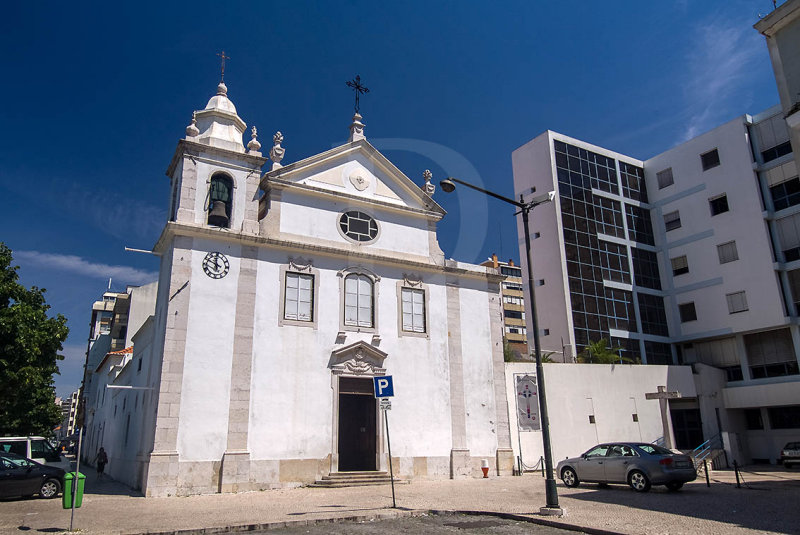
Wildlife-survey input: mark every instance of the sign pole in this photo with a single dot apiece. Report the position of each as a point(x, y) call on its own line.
point(389, 446)
point(75, 477)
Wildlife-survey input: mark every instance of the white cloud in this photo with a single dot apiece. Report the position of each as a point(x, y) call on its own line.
point(723, 54)
point(76, 264)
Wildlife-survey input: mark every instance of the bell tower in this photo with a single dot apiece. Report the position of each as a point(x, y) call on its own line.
point(213, 177)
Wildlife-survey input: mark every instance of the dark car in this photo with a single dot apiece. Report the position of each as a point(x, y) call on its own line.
point(640, 465)
point(790, 454)
point(23, 477)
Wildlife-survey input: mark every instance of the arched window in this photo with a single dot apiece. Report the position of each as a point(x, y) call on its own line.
point(220, 200)
point(358, 301)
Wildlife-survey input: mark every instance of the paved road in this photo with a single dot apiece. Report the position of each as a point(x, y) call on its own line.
point(424, 524)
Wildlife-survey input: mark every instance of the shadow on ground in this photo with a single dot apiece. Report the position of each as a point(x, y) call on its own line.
point(763, 505)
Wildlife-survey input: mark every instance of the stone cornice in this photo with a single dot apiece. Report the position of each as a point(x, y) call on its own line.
point(193, 148)
point(450, 267)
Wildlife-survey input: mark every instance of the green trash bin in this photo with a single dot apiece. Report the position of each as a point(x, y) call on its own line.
point(66, 496)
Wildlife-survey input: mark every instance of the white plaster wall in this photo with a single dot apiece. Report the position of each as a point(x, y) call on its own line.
point(744, 223)
point(205, 391)
point(574, 391)
point(143, 305)
point(313, 216)
point(292, 385)
point(476, 351)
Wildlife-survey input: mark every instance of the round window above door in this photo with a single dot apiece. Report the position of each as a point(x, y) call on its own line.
point(358, 226)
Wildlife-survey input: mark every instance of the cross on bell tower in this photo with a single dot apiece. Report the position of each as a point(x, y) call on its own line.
point(357, 127)
point(223, 57)
point(358, 88)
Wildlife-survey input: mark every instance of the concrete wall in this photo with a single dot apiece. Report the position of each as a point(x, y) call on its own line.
point(612, 393)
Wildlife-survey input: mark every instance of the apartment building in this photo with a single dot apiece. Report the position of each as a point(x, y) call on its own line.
point(515, 333)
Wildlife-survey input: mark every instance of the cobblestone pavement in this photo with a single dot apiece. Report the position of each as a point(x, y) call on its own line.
point(766, 503)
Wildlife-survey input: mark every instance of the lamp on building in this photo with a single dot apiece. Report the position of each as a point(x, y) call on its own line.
point(448, 186)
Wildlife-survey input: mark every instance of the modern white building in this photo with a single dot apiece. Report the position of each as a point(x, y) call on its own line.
point(280, 296)
point(688, 257)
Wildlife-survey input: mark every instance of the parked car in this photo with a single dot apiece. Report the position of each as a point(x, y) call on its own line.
point(37, 448)
point(640, 465)
point(790, 454)
point(24, 477)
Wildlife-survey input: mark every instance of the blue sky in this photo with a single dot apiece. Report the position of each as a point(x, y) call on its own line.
point(96, 95)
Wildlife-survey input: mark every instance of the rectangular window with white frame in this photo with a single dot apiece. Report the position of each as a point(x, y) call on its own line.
point(299, 297)
point(413, 305)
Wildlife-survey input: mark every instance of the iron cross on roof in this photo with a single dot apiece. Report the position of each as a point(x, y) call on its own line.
point(358, 89)
point(223, 58)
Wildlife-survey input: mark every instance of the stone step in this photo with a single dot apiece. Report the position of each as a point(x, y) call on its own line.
point(354, 479)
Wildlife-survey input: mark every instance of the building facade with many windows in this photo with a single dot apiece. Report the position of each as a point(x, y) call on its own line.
point(515, 332)
point(691, 256)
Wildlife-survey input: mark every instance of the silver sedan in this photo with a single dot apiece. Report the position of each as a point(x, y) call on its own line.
point(640, 465)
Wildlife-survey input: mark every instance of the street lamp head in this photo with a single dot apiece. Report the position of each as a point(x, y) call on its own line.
point(447, 185)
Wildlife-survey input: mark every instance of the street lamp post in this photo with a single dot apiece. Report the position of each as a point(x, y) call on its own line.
point(449, 185)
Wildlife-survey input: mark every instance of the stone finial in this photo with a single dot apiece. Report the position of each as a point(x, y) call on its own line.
point(254, 146)
point(357, 128)
point(192, 130)
point(222, 89)
point(276, 154)
point(429, 188)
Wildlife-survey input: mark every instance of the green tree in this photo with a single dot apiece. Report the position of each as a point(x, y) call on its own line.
point(29, 346)
point(600, 353)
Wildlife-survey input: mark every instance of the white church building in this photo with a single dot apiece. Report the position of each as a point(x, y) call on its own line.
point(280, 296)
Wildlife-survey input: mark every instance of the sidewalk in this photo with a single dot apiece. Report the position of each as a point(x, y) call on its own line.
point(769, 505)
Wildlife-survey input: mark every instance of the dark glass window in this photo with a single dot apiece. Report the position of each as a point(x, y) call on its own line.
point(645, 268)
point(633, 185)
point(710, 159)
point(619, 309)
point(653, 315)
point(753, 420)
point(672, 221)
point(514, 314)
point(776, 152)
point(790, 255)
point(687, 312)
point(358, 226)
point(784, 417)
point(608, 217)
point(658, 353)
point(614, 262)
point(734, 373)
point(640, 228)
point(786, 193)
point(511, 271)
point(680, 265)
point(718, 205)
point(665, 178)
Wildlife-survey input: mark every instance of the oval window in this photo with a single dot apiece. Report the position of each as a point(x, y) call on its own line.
point(358, 226)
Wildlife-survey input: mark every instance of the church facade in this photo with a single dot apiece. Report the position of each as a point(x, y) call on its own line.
point(280, 296)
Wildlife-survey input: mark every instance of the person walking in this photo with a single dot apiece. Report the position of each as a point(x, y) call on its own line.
point(101, 461)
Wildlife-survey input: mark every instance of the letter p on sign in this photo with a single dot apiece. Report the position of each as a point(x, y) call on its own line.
point(383, 386)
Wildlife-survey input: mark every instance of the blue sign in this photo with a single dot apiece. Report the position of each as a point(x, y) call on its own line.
point(383, 386)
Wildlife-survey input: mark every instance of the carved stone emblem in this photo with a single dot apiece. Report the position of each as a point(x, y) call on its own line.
point(358, 358)
point(360, 179)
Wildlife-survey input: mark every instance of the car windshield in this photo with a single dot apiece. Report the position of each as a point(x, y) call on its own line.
point(652, 449)
point(18, 462)
point(792, 446)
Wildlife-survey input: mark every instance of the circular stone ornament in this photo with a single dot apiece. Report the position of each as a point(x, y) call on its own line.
point(359, 178)
point(216, 265)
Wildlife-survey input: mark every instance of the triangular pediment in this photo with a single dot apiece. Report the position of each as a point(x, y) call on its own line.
point(359, 358)
point(356, 171)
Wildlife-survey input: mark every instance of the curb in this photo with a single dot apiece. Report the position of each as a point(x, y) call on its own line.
point(266, 526)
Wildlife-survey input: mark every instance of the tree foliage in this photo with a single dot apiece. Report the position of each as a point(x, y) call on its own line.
point(600, 353)
point(29, 346)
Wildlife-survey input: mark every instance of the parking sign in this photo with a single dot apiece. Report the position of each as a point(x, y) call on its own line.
point(383, 386)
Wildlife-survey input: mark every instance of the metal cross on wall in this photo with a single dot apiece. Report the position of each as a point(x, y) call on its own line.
point(358, 89)
point(223, 57)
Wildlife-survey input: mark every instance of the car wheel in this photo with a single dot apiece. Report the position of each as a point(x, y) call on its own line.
point(638, 481)
point(674, 485)
point(569, 477)
point(49, 488)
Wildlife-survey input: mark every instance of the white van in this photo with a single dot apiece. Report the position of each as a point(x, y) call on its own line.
point(35, 448)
